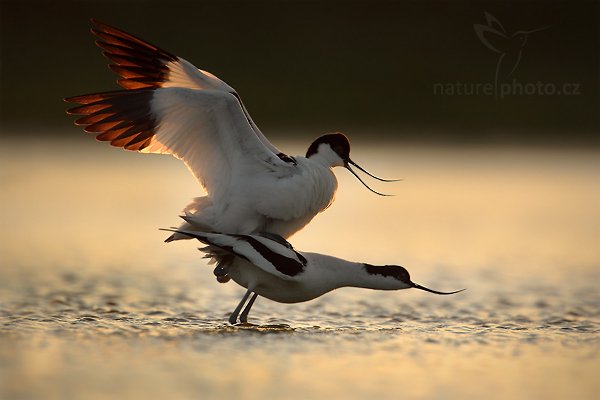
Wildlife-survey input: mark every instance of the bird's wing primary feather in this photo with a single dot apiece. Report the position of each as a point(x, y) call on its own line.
point(172, 107)
point(273, 257)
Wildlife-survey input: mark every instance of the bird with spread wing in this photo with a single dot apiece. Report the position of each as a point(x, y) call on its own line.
point(167, 105)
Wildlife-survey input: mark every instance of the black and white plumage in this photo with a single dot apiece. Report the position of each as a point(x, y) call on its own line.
point(272, 268)
point(170, 106)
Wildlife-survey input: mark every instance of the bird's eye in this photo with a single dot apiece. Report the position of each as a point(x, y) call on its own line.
point(339, 150)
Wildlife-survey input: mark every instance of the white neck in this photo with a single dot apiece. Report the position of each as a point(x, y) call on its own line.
point(333, 273)
point(326, 156)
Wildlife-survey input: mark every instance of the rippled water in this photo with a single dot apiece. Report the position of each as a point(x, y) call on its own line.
point(94, 305)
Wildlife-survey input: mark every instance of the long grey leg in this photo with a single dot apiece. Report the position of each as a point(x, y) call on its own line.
point(236, 312)
point(244, 316)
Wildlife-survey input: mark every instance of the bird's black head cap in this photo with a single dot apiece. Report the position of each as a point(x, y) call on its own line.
point(338, 142)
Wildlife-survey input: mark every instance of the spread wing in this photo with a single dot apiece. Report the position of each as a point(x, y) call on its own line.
point(276, 257)
point(170, 106)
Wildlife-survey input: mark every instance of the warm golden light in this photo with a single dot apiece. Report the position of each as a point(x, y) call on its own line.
point(93, 303)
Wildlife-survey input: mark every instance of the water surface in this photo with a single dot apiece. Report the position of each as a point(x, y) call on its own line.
point(94, 305)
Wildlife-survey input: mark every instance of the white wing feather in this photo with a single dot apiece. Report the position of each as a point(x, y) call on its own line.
point(184, 74)
point(173, 107)
point(208, 130)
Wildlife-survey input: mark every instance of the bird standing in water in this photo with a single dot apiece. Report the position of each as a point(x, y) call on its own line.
point(272, 268)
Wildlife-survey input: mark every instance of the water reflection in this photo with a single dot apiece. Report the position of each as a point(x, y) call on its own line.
point(93, 303)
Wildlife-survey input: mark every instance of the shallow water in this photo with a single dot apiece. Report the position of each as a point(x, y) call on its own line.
point(94, 305)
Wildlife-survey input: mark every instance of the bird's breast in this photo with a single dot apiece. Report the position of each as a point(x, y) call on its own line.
point(303, 194)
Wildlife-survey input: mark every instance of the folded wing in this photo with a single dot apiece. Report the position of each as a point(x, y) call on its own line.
point(275, 257)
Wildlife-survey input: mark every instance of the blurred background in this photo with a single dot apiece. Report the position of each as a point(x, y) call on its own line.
point(307, 67)
point(487, 110)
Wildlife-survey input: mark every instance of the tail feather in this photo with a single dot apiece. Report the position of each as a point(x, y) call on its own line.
point(192, 224)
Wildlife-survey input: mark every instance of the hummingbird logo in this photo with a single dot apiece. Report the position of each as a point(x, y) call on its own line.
point(509, 47)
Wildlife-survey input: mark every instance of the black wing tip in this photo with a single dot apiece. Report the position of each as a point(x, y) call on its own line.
point(96, 25)
point(123, 118)
point(76, 99)
point(102, 28)
point(99, 96)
